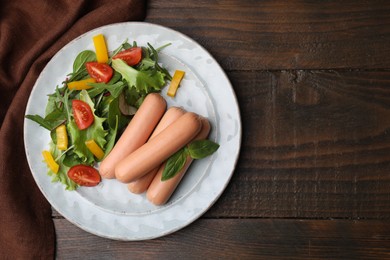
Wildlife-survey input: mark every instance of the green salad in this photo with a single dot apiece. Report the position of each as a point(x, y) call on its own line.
point(88, 112)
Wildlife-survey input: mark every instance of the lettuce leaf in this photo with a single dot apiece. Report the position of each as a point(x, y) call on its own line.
point(95, 132)
point(143, 81)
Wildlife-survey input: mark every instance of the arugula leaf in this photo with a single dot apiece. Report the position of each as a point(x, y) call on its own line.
point(174, 164)
point(59, 101)
point(56, 115)
point(42, 122)
point(150, 60)
point(51, 121)
point(55, 100)
point(67, 104)
point(114, 89)
point(155, 58)
point(125, 45)
point(114, 86)
point(147, 62)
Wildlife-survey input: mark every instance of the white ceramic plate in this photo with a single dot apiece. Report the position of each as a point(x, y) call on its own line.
point(109, 210)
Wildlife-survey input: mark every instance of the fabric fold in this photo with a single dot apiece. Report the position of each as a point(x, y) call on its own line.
point(31, 32)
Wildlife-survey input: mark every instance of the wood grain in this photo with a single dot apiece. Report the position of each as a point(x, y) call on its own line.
point(269, 35)
point(312, 79)
point(239, 239)
point(315, 144)
point(310, 119)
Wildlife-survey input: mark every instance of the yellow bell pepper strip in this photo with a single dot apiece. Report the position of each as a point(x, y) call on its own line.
point(81, 84)
point(175, 83)
point(62, 138)
point(95, 149)
point(100, 48)
point(51, 163)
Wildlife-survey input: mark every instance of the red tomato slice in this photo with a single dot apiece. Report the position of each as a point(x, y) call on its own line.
point(101, 72)
point(82, 114)
point(131, 56)
point(84, 175)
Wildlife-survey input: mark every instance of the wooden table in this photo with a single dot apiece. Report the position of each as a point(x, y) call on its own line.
point(313, 179)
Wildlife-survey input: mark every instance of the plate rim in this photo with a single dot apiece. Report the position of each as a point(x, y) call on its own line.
point(239, 134)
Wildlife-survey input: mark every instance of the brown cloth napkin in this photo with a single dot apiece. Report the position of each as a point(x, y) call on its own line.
point(31, 32)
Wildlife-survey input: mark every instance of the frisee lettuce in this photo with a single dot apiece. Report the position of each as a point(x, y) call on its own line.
point(143, 81)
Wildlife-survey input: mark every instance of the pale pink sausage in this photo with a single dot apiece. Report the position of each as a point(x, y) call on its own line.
point(140, 185)
point(159, 191)
point(135, 134)
point(157, 150)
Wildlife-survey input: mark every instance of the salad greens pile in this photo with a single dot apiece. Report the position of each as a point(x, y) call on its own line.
point(112, 103)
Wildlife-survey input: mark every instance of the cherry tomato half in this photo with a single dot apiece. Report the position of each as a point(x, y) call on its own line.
point(82, 114)
point(84, 175)
point(131, 56)
point(101, 72)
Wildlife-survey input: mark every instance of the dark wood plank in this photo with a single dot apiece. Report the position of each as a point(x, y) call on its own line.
point(315, 144)
point(239, 239)
point(307, 119)
point(253, 35)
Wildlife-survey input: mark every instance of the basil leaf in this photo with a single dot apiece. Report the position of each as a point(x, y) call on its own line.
point(202, 148)
point(174, 164)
